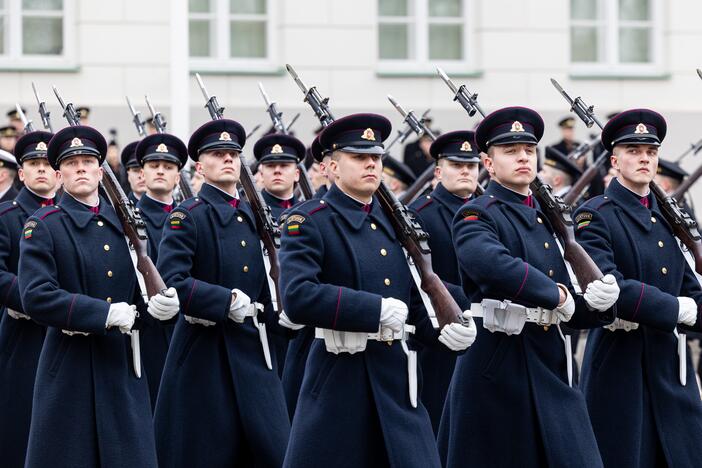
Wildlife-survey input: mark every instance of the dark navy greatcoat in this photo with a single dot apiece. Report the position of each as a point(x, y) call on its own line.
point(642, 415)
point(509, 402)
point(279, 342)
point(337, 263)
point(156, 337)
point(9, 195)
point(89, 408)
point(218, 404)
point(435, 212)
point(20, 340)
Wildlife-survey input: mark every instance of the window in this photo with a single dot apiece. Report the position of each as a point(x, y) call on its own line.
point(616, 37)
point(36, 34)
point(231, 35)
point(418, 35)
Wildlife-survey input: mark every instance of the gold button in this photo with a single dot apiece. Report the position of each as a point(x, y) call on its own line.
point(243, 243)
point(246, 268)
point(383, 252)
point(240, 219)
point(373, 226)
point(546, 246)
point(100, 223)
point(660, 244)
point(653, 220)
point(539, 220)
point(546, 327)
point(109, 273)
point(550, 273)
point(109, 300)
point(106, 247)
point(664, 270)
point(387, 281)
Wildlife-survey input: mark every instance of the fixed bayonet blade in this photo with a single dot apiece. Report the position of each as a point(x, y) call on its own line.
point(447, 80)
point(397, 106)
point(264, 94)
point(560, 89)
point(202, 86)
point(296, 78)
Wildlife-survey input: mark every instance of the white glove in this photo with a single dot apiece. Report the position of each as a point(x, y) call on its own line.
point(121, 315)
point(603, 293)
point(687, 313)
point(284, 321)
point(239, 306)
point(17, 315)
point(393, 313)
point(567, 309)
point(457, 337)
point(198, 321)
point(164, 306)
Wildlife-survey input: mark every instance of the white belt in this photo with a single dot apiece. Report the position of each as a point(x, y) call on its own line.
point(388, 336)
point(537, 315)
point(620, 324)
point(71, 333)
point(252, 311)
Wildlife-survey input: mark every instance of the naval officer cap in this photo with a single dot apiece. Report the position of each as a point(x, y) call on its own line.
point(277, 147)
point(456, 146)
point(357, 133)
point(72, 141)
point(508, 126)
point(161, 147)
point(222, 134)
point(128, 155)
point(33, 145)
point(635, 127)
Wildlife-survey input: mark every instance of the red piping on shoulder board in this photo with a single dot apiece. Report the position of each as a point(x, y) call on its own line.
point(50, 212)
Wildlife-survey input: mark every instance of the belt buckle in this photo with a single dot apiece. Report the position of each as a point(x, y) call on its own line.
point(387, 336)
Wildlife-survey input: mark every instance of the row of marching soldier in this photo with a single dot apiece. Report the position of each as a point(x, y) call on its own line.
point(342, 358)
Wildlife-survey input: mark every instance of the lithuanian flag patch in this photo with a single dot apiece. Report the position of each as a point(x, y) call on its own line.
point(176, 220)
point(293, 229)
point(583, 220)
point(293, 224)
point(470, 216)
point(27, 233)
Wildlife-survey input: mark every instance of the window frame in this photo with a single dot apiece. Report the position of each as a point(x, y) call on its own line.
point(221, 61)
point(420, 21)
point(608, 46)
point(14, 59)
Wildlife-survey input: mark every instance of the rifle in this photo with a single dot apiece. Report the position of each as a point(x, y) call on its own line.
point(159, 121)
point(28, 126)
point(280, 127)
point(267, 229)
point(557, 212)
point(580, 186)
point(583, 148)
point(403, 134)
point(136, 118)
point(682, 224)
point(410, 234)
point(45, 115)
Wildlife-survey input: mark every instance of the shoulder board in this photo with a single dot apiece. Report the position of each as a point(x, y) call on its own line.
point(8, 206)
point(423, 203)
point(595, 203)
point(42, 213)
point(313, 207)
point(484, 201)
point(190, 203)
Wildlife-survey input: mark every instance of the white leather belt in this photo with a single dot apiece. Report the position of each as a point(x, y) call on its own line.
point(71, 333)
point(385, 335)
point(537, 315)
point(620, 324)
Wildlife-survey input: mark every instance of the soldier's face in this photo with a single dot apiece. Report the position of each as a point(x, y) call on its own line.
point(160, 177)
point(81, 174)
point(136, 180)
point(220, 166)
point(635, 164)
point(317, 176)
point(357, 174)
point(513, 166)
point(459, 178)
point(279, 177)
point(39, 176)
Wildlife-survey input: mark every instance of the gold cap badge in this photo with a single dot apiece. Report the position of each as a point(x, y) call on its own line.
point(466, 146)
point(76, 142)
point(224, 136)
point(641, 128)
point(162, 148)
point(517, 126)
point(368, 134)
point(41, 146)
point(277, 149)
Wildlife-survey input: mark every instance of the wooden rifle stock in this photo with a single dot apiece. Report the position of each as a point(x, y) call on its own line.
point(682, 189)
point(579, 187)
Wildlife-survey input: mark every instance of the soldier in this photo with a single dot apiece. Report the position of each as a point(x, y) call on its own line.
point(8, 138)
point(83, 114)
point(645, 410)
point(135, 176)
point(277, 156)
point(397, 175)
point(76, 277)
point(21, 338)
point(416, 154)
point(220, 401)
point(161, 156)
point(457, 160)
point(510, 402)
point(345, 273)
point(322, 157)
point(8, 173)
point(568, 142)
point(559, 172)
point(15, 120)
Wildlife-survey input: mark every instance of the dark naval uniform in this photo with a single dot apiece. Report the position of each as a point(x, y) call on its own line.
point(156, 338)
point(89, 408)
point(20, 340)
point(435, 212)
point(339, 259)
point(642, 415)
point(129, 161)
point(510, 403)
point(219, 404)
